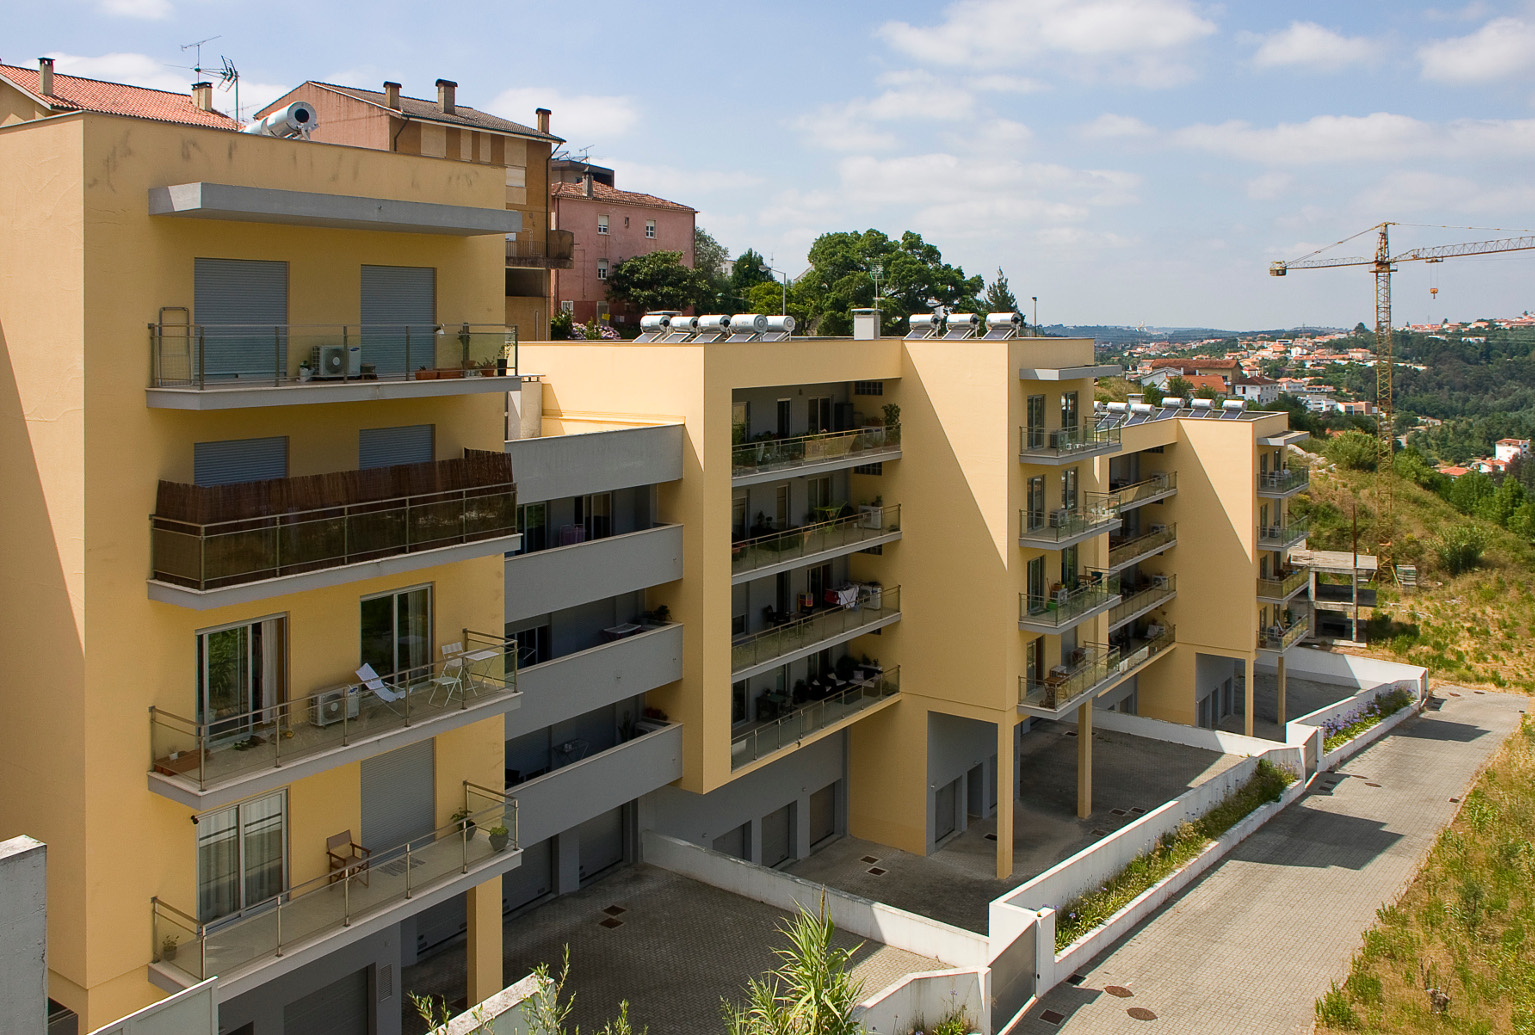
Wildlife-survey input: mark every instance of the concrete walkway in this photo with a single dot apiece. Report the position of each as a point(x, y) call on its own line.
point(1251, 945)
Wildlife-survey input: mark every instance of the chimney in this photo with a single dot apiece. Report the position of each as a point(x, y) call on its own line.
point(445, 88)
point(586, 184)
point(543, 119)
point(202, 96)
point(865, 324)
point(45, 76)
point(392, 95)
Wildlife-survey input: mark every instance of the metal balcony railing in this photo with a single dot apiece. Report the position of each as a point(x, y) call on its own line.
point(211, 357)
point(1285, 633)
point(1279, 537)
point(1280, 588)
point(824, 623)
point(1096, 667)
point(778, 454)
point(1161, 588)
point(812, 717)
point(553, 248)
point(1280, 482)
point(1130, 549)
point(1065, 605)
point(1084, 439)
point(1053, 526)
point(792, 544)
point(319, 907)
point(1128, 495)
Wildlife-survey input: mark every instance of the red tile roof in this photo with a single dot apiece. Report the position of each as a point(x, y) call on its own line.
point(602, 192)
point(421, 108)
point(1206, 381)
point(1195, 362)
point(72, 93)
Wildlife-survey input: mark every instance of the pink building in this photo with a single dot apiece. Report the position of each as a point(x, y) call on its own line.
point(609, 225)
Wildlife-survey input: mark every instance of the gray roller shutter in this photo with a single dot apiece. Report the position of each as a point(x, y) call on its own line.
point(242, 307)
point(385, 447)
point(239, 460)
point(398, 803)
point(823, 813)
point(399, 318)
point(602, 842)
point(732, 842)
point(340, 1008)
point(776, 827)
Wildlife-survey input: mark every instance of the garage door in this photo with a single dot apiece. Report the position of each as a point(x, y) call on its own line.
point(776, 829)
point(340, 1008)
point(397, 796)
point(242, 307)
point(602, 843)
point(385, 447)
point(823, 814)
point(399, 318)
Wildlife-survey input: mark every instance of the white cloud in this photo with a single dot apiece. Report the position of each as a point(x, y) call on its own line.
point(1348, 138)
point(1413, 191)
point(582, 119)
point(919, 95)
point(1307, 43)
point(1269, 186)
point(135, 69)
point(1500, 48)
point(1003, 83)
point(147, 9)
point(1114, 127)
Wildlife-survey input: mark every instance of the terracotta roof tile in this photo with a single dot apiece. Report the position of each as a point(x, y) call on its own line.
point(1191, 362)
point(463, 115)
point(72, 93)
point(602, 192)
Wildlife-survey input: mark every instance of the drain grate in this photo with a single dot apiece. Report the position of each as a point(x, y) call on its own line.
point(610, 923)
point(990, 837)
point(878, 871)
point(1118, 812)
point(869, 859)
point(1140, 1013)
point(1455, 801)
point(615, 910)
point(1051, 1017)
point(1075, 979)
point(1099, 833)
point(1137, 811)
point(1118, 991)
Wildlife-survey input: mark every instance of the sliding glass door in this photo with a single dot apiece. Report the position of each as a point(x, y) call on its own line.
point(397, 631)
point(240, 671)
point(241, 856)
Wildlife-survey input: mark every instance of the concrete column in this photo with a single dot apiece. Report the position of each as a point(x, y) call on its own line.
point(1281, 708)
point(1085, 759)
point(1251, 675)
point(23, 936)
point(483, 908)
point(1007, 795)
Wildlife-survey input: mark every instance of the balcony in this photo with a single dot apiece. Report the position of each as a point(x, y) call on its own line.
point(1283, 484)
point(811, 544)
point(1096, 668)
point(319, 916)
point(1135, 601)
point(1286, 586)
point(1066, 445)
point(234, 366)
point(213, 545)
point(572, 794)
point(204, 764)
point(826, 626)
point(770, 458)
point(556, 466)
point(1058, 529)
point(1065, 608)
point(554, 249)
point(1126, 552)
point(1281, 537)
point(573, 684)
point(1290, 629)
point(1125, 497)
point(593, 569)
point(811, 718)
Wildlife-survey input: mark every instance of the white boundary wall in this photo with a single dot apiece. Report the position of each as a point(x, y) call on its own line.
point(928, 998)
point(502, 1012)
point(1345, 669)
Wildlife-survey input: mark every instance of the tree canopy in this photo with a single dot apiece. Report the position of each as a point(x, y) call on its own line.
point(911, 272)
point(750, 269)
point(999, 297)
point(658, 280)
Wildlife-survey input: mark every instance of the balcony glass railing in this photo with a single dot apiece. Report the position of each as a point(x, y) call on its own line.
point(1284, 481)
point(208, 537)
point(1278, 537)
point(1282, 587)
point(1286, 632)
point(1095, 667)
point(1041, 526)
point(1122, 496)
point(234, 745)
point(316, 908)
point(209, 357)
point(1059, 442)
point(812, 717)
point(826, 622)
point(1134, 654)
point(1094, 589)
point(777, 454)
point(1128, 550)
point(793, 544)
point(1158, 589)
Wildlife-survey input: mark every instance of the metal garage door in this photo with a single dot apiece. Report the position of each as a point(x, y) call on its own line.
point(385, 447)
point(239, 460)
point(823, 813)
point(945, 810)
point(531, 880)
point(602, 842)
point(340, 1008)
point(398, 803)
point(732, 842)
point(242, 306)
point(399, 318)
point(777, 828)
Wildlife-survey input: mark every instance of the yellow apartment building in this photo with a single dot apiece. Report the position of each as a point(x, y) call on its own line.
point(257, 508)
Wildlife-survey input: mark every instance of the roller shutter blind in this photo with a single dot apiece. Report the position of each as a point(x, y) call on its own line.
point(340, 1008)
point(242, 307)
point(398, 802)
point(385, 447)
point(823, 813)
point(777, 835)
point(399, 318)
point(239, 460)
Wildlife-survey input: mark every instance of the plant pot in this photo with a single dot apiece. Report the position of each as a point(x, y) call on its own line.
point(468, 828)
point(168, 951)
point(305, 373)
point(498, 842)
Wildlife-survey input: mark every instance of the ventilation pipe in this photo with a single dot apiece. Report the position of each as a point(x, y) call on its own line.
point(294, 121)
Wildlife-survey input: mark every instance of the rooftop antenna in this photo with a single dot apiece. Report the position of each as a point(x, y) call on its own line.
point(198, 46)
point(229, 76)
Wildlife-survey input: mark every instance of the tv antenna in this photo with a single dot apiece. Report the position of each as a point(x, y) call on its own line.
point(198, 46)
point(228, 75)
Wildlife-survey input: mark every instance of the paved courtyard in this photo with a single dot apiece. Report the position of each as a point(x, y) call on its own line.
point(1302, 697)
point(1131, 775)
point(1252, 944)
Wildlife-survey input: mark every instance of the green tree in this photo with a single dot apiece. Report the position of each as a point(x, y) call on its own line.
point(1501, 505)
point(749, 270)
point(810, 992)
point(1354, 450)
point(912, 272)
point(999, 297)
point(1153, 395)
point(1469, 490)
point(709, 258)
point(1179, 387)
point(657, 281)
point(1206, 392)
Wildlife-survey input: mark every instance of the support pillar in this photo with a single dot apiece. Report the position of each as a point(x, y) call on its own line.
point(483, 908)
point(1007, 794)
point(1281, 709)
point(1085, 759)
point(1248, 689)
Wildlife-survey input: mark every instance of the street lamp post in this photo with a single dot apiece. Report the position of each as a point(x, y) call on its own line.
point(1036, 314)
point(784, 305)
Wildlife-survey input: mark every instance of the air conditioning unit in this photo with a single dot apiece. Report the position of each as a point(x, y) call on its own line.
point(329, 706)
point(1060, 518)
point(337, 361)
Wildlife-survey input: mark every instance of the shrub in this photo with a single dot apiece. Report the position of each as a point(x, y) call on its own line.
point(560, 324)
point(1353, 449)
point(1460, 547)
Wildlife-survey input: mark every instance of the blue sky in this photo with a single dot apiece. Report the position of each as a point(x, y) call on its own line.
point(1126, 161)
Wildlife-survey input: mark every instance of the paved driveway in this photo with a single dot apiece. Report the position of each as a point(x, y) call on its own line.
point(1250, 946)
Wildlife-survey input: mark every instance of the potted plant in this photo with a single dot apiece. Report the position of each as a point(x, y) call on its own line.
point(892, 423)
point(499, 837)
point(305, 371)
point(168, 948)
point(464, 823)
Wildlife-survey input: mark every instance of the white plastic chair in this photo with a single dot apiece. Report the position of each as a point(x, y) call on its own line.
point(380, 689)
point(452, 678)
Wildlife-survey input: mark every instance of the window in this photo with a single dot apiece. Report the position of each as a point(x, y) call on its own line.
point(241, 856)
point(1034, 659)
point(819, 495)
point(1069, 558)
point(239, 460)
point(782, 595)
point(1068, 409)
point(650, 228)
point(1069, 489)
point(781, 507)
point(533, 644)
point(602, 224)
point(783, 418)
point(738, 702)
point(819, 413)
point(602, 269)
point(396, 631)
point(877, 467)
point(241, 671)
point(738, 518)
point(820, 582)
point(387, 447)
point(741, 417)
point(1036, 503)
point(1036, 420)
point(1037, 582)
point(868, 388)
point(533, 519)
point(594, 514)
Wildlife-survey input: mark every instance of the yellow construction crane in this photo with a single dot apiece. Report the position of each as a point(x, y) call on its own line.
point(1384, 263)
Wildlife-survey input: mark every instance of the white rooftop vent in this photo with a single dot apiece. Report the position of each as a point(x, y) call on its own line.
point(1002, 325)
point(295, 121)
point(924, 325)
point(961, 325)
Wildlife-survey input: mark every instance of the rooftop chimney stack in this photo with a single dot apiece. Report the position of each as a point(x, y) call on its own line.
point(392, 95)
point(202, 96)
point(445, 90)
point(45, 76)
point(586, 184)
point(543, 119)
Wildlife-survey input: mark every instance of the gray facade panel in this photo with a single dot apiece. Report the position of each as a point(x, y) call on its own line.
point(549, 580)
point(566, 687)
point(574, 465)
point(575, 793)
